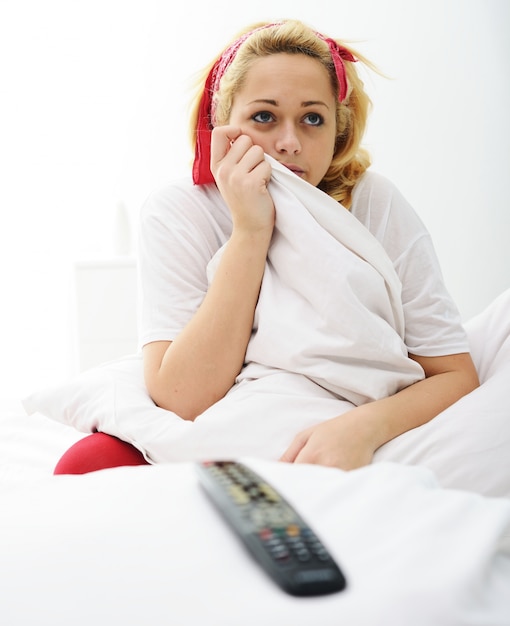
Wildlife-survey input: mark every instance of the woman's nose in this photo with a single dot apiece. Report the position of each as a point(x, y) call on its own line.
point(288, 141)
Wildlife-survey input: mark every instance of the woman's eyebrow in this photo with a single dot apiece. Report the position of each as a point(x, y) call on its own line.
point(313, 103)
point(264, 101)
point(306, 103)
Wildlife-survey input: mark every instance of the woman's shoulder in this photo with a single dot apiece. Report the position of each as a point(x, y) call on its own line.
point(191, 220)
point(181, 202)
point(379, 205)
point(183, 195)
point(376, 189)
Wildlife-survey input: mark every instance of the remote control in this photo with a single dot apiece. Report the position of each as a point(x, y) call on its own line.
point(275, 534)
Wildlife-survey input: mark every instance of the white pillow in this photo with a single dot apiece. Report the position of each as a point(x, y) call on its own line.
point(102, 399)
point(467, 446)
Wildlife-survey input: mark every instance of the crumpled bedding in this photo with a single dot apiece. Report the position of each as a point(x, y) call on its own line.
point(324, 340)
point(331, 313)
point(422, 534)
point(467, 446)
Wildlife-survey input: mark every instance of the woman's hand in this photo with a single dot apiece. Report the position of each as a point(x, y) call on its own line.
point(342, 442)
point(242, 175)
point(350, 440)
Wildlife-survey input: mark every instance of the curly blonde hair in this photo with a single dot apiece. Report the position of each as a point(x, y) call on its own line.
point(350, 159)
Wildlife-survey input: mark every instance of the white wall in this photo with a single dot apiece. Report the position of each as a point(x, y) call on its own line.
point(93, 98)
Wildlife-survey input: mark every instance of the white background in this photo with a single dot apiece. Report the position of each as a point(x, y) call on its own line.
point(93, 103)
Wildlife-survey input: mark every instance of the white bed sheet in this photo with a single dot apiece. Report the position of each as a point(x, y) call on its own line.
point(30, 446)
point(144, 545)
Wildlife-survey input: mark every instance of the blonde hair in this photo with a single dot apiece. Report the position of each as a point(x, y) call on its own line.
point(350, 159)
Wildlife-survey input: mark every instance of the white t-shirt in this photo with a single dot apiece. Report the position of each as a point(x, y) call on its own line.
point(183, 225)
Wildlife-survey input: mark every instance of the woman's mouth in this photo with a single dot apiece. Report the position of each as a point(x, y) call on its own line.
point(294, 168)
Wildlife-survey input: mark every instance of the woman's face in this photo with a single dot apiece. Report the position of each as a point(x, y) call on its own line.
point(287, 107)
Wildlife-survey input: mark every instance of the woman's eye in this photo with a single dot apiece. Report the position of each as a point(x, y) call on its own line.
point(263, 117)
point(314, 119)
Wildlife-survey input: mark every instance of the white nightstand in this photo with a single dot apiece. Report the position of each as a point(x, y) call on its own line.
point(105, 310)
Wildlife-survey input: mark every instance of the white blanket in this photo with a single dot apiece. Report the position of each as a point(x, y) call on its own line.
point(330, 303)
point(328, 335)
point(143, 545)
point(467, 446)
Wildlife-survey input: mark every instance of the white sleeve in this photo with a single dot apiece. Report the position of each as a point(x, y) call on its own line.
point(432, 321)
point(181, 228)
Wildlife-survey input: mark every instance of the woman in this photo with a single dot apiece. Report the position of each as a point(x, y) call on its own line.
point(289, 92)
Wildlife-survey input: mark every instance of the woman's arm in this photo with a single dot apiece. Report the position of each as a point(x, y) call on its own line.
point(350, 440)
point(191, 373)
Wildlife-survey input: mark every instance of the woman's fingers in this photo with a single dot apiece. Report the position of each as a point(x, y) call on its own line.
point(242, 174)
point(222, 139)
point(231, 149)
point(292, 452)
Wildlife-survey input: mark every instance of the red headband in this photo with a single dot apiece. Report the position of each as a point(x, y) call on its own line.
point(201, 165)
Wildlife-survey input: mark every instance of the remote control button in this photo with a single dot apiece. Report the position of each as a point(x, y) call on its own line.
point(293, 530)
point(269, 493)
point(238, 494)
point(322, 555)
point(277, 549)
point(303, 555)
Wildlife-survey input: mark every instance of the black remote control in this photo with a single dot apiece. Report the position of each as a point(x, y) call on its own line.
point(279, 539)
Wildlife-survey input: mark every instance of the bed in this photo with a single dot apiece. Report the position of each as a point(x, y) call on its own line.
point(422, 534)
point(144, 545)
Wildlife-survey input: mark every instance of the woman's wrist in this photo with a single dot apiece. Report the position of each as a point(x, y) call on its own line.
point(372, 424)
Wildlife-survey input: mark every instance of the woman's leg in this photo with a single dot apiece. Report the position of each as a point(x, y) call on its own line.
point(96, 452)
